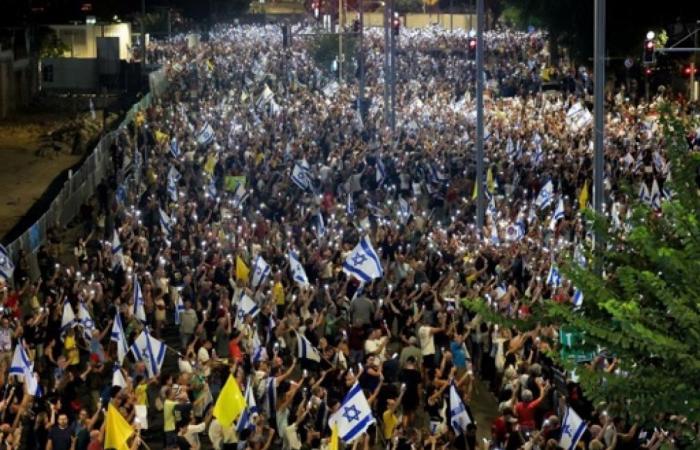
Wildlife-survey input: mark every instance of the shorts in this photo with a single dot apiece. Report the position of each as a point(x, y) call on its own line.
point(429, 361)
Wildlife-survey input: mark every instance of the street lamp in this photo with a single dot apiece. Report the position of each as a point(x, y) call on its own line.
point(650, 35)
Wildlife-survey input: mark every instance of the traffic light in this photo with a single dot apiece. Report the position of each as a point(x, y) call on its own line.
point(316, 8)
point(688, 70)
point(396, 24)
point(649, 52)
point(471, 48)
point(648, 72)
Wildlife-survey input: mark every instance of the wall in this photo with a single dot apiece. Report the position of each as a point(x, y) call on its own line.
point(81, 39)
point(69, 74)
point(419, 20)
point(18, 82)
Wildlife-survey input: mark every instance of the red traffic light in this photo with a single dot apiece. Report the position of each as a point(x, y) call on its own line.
point(688, 70)
point(648, 72)
point(472, 43)
point(650, 45)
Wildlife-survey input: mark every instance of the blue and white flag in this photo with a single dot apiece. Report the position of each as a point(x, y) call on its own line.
point(150, 350)
point(270, 403)
point(545, 197)
point(118, 377)
point(301, 175)
point(211, 188)
point(246, 307)
point(494, 239)
point(553, 277)
point(363, 262)
point(138, 308)
point(320, 225)
point(572, 428)
point(350, 208)
point(240, 195)
point(644, 195)
point(119, 337)
point(174, 148)
point(261, 269)
point(68, 319)
point(259, 352)
point(354, 416)
point(297, 269)
point(166, 223)
point(306, 350)
point(381, 172)
point(515, 231)
point(117, 251)
point(437, 176)
point(459, 417)
point(557, 215)
point(85, 321)
point(20, 361)
point(173, 178)
point(205, 135)
point(7, 267)
point(655, 195)
point(577, 298)
point(179, 309)
point(247, 419)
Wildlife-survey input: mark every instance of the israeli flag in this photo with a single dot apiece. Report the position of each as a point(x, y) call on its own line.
point(173, 178)
point(138, 309)
point(655, 195)
point(516, 231)
point(20, 361)
point(261, 269)
point(437, 176)
point(572, 428)
point(553, 277)
point(179, 309)
point(578, 298)
point(7, 267)
point(301, 175)
point(150, 350)
point(239, 196)
point(205, 135)
point(297, 269)
point(644, 195)
point(539, 155)
point(381, 172)
point(174, 148)
point(68, 319)
point(459, 417)
point(85, 321)
point(354, 416)
point(117, 251)
point(259, 352)
point(363, 262)
point(306, 350)
point(544, 198)
point(350, 208)
point(270, 404)
point(495, 240)
point(119, 337)
point(246, 307)
point(118, 377)
point(557, 215)
point(320, 225)
point(247, 419)
point(166, 223)
point(211, 188)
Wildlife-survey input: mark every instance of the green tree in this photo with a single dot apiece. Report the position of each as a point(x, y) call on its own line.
point(645, 309)
point(324, 50)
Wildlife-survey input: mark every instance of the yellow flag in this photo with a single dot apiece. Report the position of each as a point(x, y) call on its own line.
point(242, 270)
point(278, 293)
point(230, 403)
point(209, 165)
point(161, 137)
point(583, 196)
point(335, 438)
point(117, 429)
point(490, 184)
point(474, 193)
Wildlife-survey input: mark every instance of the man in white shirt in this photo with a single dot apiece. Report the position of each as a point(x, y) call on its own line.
point(376, 344)
point(426, 334)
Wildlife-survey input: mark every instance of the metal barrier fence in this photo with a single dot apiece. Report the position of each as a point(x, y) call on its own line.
point(77, 190)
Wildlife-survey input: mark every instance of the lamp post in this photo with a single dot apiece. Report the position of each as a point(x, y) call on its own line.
point(480, 206)
point(598, 113)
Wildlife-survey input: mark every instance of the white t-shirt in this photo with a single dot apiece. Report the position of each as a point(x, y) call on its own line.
point(372, 347)
point(427, 341)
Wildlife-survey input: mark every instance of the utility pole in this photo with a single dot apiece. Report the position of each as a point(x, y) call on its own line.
point(341, 22)
point(387, 81)
point(392, 117)
point(693, 64)
point(599, 112)
point(480, 206)
point(361, 61)
point(451, 15)
point(144, 57)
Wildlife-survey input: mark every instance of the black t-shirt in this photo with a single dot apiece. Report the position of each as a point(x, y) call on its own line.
point(60, 438)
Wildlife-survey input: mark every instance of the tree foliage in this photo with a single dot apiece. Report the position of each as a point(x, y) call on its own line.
point(645, 309)
point(324, 50)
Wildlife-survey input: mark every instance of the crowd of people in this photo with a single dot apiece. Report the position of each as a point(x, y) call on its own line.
point(240, 208)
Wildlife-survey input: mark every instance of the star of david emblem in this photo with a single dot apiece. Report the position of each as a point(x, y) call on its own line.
point(566, 429)
point(358, 259)
point(146, 354)
point(351, 413)
point(241, 314)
